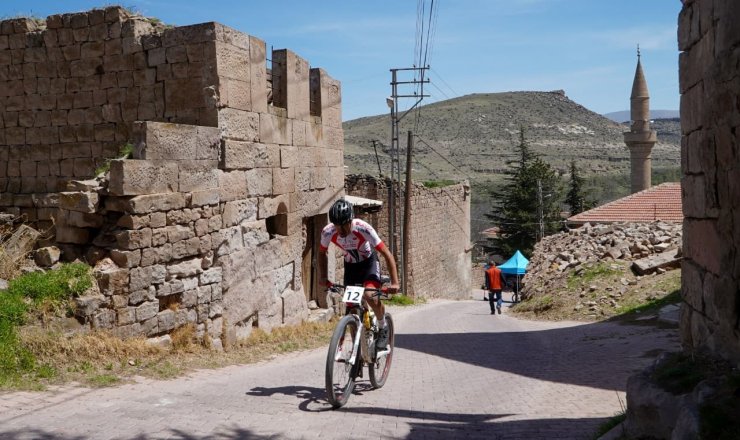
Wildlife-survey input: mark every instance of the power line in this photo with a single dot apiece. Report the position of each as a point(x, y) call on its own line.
point(439, 90)
point(444, 158)
point(457, 95)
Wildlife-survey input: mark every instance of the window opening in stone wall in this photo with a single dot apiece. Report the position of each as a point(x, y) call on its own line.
point(269, 85)
point(277, 93)
point(172, 302)
point(277, 225)
point(315, 92)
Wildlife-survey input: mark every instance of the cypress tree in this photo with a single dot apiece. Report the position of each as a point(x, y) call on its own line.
point(575, 199)
point(527, 205)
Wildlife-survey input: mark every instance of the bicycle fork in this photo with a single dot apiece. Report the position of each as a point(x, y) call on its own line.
point(355, 345)
point(358, 341)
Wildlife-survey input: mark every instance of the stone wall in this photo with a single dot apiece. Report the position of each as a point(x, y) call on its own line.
point(709, 39)
point(439, 244)
point(231, 170)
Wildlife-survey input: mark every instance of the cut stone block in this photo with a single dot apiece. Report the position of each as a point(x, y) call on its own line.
point(145, 204)
point(134, 177)
point(79, 201)
point(167, 141)
point(292, 83)
point(275, 129)
point(196, 177)
point(239, 125)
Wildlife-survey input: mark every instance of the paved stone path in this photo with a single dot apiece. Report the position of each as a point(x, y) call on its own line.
point(458, 372)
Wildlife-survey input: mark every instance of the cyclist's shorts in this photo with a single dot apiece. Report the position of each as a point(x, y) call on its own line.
point(365, 273)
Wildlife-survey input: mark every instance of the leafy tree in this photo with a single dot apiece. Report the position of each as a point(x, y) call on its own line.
point(527, 206)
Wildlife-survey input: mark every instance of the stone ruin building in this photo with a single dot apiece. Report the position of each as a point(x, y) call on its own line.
point(214, 218)
point(235, 162)
point(439, 254)
point(709, 38)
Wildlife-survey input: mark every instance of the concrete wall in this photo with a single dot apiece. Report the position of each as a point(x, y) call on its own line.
point(439, 251)
point(207, 224)
point(709, 39)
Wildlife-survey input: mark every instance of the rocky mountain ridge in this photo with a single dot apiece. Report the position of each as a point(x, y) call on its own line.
point(475, 135)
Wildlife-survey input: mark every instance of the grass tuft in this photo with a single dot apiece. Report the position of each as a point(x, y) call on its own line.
point(402, 300)
point(537, 304)
point(610, 423)
point(55, 285)
point(642, 308)
point(438, 183)
point(126, 152)
point(597, 271)
point(680, 372)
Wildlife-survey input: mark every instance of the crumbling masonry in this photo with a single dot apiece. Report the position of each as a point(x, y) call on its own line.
point(709, 39)
point(233, 169)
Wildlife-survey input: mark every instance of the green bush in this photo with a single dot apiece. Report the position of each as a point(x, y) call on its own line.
point(12, 308)
point(55, 285)
point(13, 357)
point(125, 152)
point(438, 183)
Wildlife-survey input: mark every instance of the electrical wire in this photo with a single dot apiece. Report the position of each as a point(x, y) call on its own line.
point(456, 95)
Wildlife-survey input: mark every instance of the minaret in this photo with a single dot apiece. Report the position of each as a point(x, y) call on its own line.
point(640, 139)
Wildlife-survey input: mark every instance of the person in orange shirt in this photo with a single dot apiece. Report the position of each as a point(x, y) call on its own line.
point(496, 284)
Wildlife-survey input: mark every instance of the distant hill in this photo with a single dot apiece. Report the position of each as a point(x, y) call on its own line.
point(624, 115)
point(474, 136)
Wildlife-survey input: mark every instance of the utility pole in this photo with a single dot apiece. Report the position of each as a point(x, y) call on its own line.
point(396, 154)
point(380, 171)
point(407, 215)
point(540, 211)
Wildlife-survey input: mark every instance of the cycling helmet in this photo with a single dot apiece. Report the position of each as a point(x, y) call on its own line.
point(341, 212)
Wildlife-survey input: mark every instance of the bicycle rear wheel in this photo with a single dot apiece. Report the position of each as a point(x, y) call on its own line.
point(382, 366)
point(340, 380)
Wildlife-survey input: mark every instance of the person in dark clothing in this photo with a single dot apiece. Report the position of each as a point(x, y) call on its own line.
point(485, 280)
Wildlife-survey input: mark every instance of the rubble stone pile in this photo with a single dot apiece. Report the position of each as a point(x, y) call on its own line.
point(557, 255)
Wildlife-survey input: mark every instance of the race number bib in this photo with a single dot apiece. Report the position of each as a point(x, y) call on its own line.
point(353, 294)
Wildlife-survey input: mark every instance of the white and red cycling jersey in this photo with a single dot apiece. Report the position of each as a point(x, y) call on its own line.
point(358, 245)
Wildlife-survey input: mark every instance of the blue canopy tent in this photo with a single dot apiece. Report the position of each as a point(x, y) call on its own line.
point(517, 266)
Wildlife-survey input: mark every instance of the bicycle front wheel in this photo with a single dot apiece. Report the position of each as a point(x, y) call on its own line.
point(340, 379)
point(382, 366)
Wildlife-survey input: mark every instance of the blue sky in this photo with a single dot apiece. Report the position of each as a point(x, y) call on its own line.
point(586, 47)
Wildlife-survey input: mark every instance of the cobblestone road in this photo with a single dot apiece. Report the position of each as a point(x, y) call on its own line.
point(458, 372)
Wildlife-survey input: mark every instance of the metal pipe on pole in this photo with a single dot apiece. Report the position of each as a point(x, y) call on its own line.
point(407, 214)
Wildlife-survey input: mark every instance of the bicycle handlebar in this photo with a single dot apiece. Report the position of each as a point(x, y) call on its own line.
point(383, 291)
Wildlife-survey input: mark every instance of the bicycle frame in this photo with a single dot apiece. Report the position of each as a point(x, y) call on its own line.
point(358, 311)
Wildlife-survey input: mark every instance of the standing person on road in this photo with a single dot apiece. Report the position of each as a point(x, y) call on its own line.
point(359, 242)
point(496, 284)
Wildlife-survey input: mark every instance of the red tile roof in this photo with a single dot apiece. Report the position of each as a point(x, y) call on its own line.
point(660, 202)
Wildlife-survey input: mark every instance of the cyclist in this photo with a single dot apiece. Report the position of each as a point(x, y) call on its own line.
point(359, 242)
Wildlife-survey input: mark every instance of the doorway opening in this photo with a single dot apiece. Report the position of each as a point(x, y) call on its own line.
point(312, 227)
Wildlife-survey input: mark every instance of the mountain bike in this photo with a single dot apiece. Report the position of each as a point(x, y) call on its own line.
point(353, 346)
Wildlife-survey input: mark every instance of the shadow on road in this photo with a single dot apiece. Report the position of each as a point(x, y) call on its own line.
point(310, 395)
point(234, 433)
point(443, 426)
point(598, 355)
